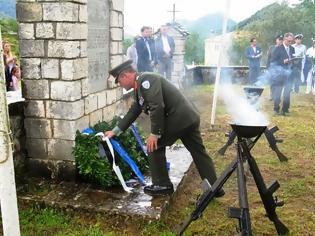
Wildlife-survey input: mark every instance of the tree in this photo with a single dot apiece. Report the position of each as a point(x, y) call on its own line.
point(126, 44)
point(194, 49)
point(273, 20)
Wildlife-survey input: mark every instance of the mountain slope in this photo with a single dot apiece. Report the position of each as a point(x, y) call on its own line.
point(204, 26)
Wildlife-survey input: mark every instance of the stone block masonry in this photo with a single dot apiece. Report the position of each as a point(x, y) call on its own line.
point(67, 48)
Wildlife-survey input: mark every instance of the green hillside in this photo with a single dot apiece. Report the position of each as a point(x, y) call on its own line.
point(271, 21)
point(206, 25)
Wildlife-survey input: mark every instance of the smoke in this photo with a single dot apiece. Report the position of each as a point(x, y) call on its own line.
point(242, 109)
point(271, 75)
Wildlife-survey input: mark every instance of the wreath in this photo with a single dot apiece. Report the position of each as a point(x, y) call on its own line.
point(98, 169)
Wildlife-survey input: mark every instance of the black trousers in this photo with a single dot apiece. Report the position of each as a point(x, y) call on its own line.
point(192, 140)
point(284, 86)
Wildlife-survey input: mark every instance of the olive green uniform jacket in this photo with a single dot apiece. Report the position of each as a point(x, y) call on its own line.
point(170, 112)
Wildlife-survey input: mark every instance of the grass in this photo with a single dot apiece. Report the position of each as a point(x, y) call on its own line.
point(296, 177)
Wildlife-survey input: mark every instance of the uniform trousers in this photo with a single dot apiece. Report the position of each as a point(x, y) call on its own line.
point(192, 140)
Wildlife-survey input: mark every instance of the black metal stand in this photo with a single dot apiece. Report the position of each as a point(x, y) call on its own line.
point(269, 134)
point(241, 213)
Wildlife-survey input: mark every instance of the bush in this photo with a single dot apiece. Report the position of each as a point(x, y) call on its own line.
point(98, 169)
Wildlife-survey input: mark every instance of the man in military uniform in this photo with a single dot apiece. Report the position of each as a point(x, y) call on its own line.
point(172, 117)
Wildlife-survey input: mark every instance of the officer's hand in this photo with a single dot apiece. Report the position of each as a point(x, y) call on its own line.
point(152, 143)
point(109, 134)
point(286, 61)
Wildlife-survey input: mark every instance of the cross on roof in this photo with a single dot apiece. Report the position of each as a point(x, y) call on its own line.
point(173, 11)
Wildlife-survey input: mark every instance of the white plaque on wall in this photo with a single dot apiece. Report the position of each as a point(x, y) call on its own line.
point(98, 44)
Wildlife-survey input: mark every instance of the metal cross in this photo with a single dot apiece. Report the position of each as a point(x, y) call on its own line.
point(173, 11)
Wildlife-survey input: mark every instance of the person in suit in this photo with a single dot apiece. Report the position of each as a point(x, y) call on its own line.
point(282, 58)
point(279, 41)
point(253, 53)
point(166, 106)
point(132, 53)
point(145, 50)
point(165, 47)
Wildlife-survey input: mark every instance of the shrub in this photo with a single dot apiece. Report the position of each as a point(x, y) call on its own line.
point(98, 169)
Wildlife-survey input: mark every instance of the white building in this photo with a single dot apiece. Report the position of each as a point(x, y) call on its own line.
point(212, 46)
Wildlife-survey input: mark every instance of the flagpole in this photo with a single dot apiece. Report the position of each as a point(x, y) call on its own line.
point(218, 72)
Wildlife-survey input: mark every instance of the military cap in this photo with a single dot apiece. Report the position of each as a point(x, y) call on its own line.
point(280, 37)
point(299, 36)
point(115, 72)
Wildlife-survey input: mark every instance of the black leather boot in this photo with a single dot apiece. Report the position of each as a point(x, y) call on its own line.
point(158, 189)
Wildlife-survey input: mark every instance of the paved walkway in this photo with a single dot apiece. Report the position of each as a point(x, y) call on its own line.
point(85, 197)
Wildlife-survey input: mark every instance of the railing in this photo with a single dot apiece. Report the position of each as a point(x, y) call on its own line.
point(202, 74)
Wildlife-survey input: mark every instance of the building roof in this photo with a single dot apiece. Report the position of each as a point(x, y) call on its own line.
point(179, 28)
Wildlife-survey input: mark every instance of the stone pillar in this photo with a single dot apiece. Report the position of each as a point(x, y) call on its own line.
point(178, 57)
point(65, 74)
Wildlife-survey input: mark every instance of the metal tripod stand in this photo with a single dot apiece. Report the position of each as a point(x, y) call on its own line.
point(242, 213)
point(269, 136)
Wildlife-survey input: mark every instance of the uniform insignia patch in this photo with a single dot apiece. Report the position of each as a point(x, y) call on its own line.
point(146, 84)
point(141, 101)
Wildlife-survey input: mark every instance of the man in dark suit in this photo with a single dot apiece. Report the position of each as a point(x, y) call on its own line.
point(253, 53)
point(145, 50)
point(165, 47)
point(166, 106)
point(279, 41)
point(282, 58)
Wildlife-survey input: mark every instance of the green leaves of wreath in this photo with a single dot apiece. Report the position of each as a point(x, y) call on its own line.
point(97, 169)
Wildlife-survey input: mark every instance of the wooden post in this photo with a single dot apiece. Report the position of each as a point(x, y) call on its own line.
point(8, 200)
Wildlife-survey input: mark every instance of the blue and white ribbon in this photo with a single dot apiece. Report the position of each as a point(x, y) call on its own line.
point(115, 167)
point(124, 155)
point(136, 134)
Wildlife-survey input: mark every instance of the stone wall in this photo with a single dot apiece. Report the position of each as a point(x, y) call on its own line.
point(178, 57)
point(18, 139)
point(206, 74)
point(66, 84)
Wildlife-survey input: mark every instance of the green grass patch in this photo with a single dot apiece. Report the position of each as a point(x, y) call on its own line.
point(296, 178)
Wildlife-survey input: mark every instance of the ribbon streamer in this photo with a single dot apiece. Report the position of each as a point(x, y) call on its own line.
point(124, 155)
point(136, 134)
point(115, 167)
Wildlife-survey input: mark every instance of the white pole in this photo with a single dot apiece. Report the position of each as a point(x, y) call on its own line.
point(217, 76)
point(8, 200)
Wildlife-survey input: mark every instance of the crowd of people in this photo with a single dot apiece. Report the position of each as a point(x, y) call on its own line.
point(151, 52)
point(289, 64)
point(12, 70)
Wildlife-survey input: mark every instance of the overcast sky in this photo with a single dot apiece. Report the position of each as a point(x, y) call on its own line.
point(155, 12)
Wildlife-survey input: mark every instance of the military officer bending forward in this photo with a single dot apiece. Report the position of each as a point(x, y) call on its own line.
point(172, 117)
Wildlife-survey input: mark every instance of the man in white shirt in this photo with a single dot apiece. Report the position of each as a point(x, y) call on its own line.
point(165, 47)
point(300, 50)
point(253, 53)
point(132, 53)
point(310, 84)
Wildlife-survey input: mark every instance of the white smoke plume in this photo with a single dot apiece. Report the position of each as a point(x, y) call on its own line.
point(271, 74)
point(240, 108)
